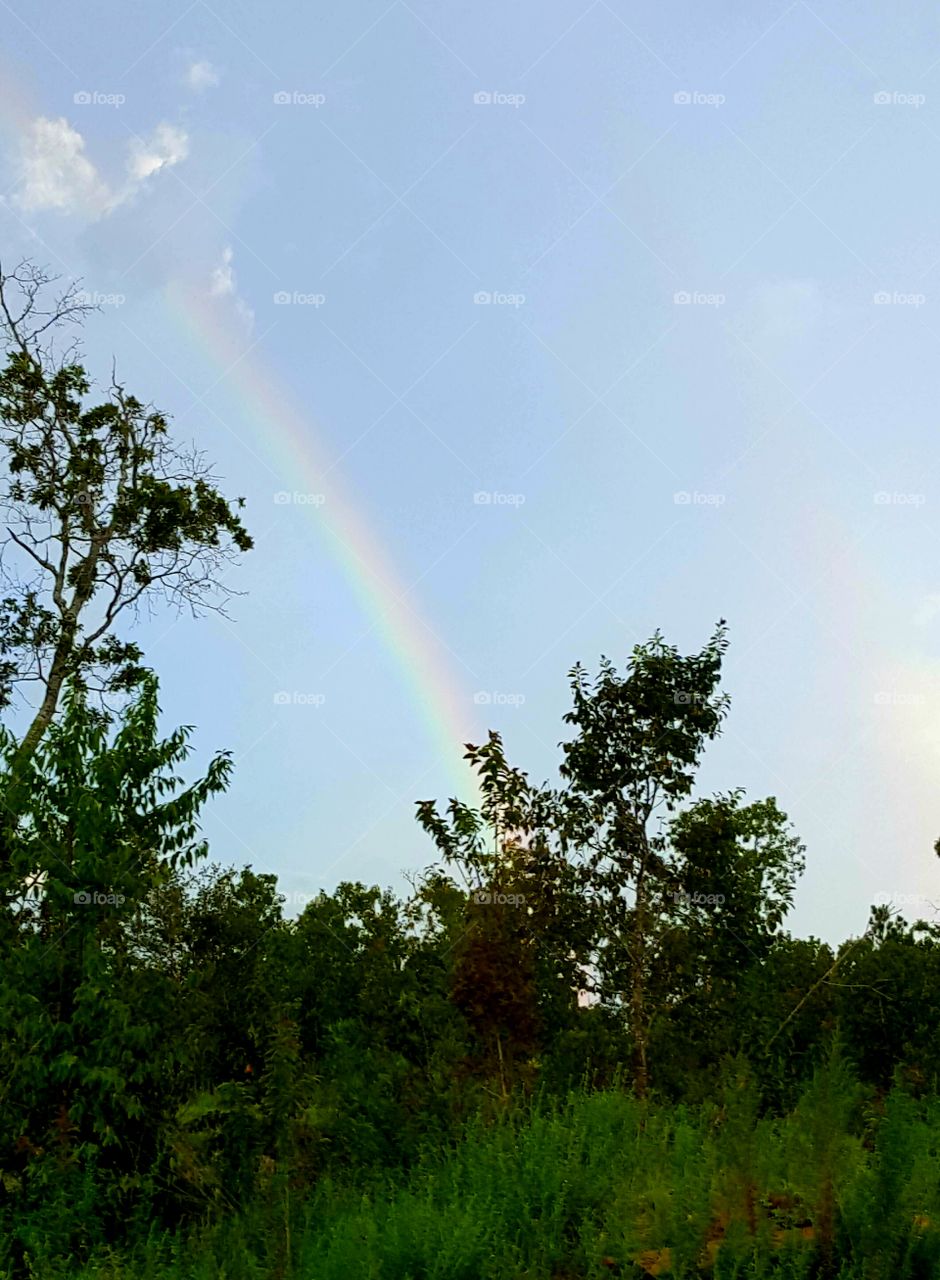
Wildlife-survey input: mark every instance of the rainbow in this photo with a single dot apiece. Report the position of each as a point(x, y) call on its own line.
point(290, 440)
point(445, 709)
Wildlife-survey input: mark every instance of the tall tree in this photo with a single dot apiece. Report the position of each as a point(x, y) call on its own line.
point(104, 513)
point(85, 1060)
point(639, 739)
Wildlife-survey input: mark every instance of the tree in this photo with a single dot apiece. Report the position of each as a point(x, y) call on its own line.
point(104, 512)
point(85, 1050)
point(655, 908)
point(888, 1000)
point(523, 926)
point(372, 1015)
point(737, 866)
point(639, 739)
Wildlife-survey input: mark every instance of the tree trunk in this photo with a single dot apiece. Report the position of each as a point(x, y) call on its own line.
point(50, 701)
point(62, 658)
point(58, 672)
point(638, 987)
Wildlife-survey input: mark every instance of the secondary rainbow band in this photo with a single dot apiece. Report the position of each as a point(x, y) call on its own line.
point(289, 442)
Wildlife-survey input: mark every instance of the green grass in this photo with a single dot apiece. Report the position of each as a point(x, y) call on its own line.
point(597, 1187)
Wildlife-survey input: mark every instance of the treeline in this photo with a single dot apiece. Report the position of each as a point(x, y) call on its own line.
point(174, 1051)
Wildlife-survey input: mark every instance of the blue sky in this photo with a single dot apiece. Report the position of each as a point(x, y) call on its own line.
point(705, 384)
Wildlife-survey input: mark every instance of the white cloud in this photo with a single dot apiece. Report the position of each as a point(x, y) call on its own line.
point(167, 145)
point(224, 285)
point(55, 173)
point(202, 75)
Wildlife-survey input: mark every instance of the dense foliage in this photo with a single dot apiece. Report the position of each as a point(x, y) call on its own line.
point(178, 1056)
